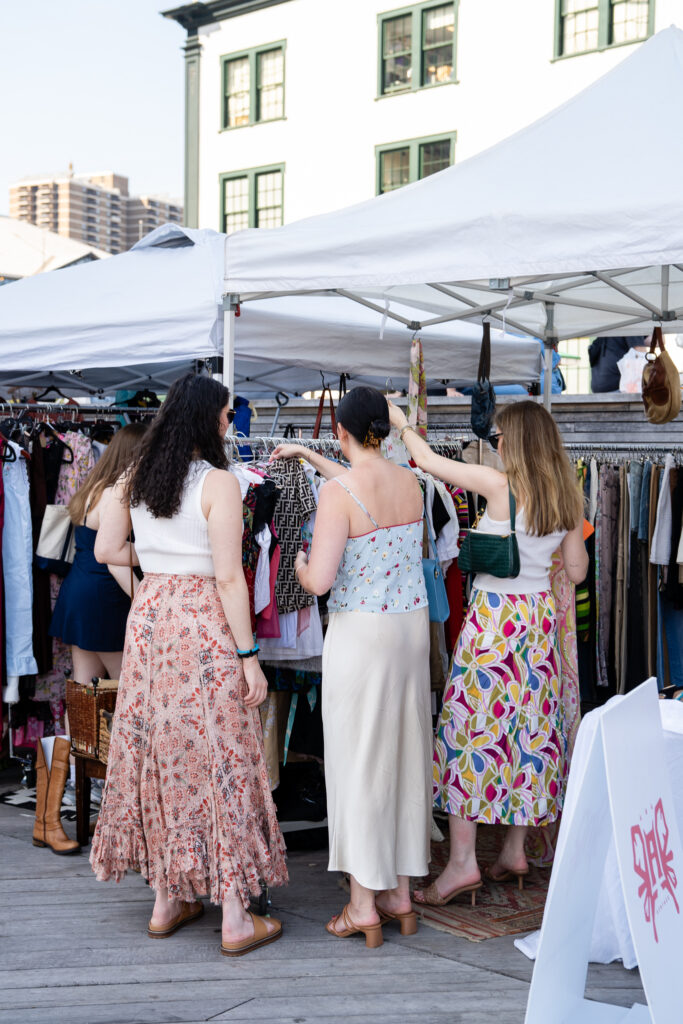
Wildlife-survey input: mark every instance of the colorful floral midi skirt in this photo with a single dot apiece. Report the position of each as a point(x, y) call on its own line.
point(187, 800)
point(500, 750)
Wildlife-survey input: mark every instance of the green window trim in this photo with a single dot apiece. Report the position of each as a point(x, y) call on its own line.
point(253, 58)
point(604, 29)
point(415, 150)
point(418, 49)
point(251, 177)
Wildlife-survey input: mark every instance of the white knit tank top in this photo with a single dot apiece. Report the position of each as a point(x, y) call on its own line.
point(179, 545)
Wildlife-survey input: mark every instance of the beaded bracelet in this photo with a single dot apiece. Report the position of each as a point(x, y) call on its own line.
point(248, 654)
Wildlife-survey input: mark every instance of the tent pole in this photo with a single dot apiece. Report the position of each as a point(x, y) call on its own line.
point(548, 341)
point(548, 377)
point(230, 307)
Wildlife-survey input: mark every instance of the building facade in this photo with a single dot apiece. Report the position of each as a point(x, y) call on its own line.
point(298, 107)
point(92, 208)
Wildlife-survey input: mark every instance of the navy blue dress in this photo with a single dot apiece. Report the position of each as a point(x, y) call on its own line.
point(91, 609)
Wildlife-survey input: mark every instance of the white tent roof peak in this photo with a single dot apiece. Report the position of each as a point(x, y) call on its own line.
point(592, 186)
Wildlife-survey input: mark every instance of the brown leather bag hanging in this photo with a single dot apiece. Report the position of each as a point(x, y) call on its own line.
point(661, 383)
point(319, 417)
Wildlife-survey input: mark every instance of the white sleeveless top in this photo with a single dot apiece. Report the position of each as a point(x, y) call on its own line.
point(179, 545)
point(535, 556)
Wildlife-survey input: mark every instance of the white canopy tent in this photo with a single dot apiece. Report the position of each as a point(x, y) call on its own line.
point(571, 227)
point(142, 318)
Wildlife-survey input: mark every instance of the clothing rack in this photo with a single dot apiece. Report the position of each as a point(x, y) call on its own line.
point(73, 411)
point(622, 450)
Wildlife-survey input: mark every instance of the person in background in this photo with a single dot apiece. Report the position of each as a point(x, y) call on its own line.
point(604, 353)
point(94, 600)
point(367, 549)
point(187, 800)
point(499, 755)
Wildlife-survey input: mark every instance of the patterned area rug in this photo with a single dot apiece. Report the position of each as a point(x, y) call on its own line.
point(501, 908)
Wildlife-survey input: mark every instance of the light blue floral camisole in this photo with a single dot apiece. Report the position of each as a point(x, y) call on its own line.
point(380, 571)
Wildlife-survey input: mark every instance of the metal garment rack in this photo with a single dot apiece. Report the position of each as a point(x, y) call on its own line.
point(324, 445)
point(623, 450)
point(68, 411)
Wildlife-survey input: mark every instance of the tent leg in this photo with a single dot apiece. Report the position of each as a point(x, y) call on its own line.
point(548, 378)
point(228, 376)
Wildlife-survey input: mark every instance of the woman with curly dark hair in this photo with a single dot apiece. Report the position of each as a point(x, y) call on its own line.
point(187, 800)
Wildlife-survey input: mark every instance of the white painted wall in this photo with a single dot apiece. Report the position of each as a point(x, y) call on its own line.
point(506, 79)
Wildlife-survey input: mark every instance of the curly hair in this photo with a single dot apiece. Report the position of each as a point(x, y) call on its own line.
point(185, 428)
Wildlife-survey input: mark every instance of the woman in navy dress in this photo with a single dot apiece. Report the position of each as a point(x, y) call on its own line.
point(94, 600)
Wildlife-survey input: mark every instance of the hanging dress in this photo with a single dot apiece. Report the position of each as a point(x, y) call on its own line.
point(376, 707)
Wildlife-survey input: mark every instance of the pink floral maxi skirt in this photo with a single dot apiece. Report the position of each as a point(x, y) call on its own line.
point(187, 799)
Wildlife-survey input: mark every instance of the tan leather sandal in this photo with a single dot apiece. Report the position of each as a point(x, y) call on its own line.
point(372, 932)
point(431, 897)
point(407, 921)
point(188, 912)
point(507, 876)
point(261, 937)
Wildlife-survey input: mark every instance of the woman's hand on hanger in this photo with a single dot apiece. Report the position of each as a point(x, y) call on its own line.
point(288, 451)
point(327, 468)
point(479, 479)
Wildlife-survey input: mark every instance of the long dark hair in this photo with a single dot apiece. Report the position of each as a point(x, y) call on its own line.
point(364, 412)
point(116, 459)
point(186, 428)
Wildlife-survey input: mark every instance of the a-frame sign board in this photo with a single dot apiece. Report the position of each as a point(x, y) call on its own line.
point(624, 791)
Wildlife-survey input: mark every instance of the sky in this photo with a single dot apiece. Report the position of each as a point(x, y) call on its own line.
point(95, 83)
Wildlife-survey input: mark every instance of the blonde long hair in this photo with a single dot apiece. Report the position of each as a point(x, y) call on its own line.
point(540, 474)
point(115, 460)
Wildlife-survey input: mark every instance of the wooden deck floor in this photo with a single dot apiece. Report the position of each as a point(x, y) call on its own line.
point(75, 951)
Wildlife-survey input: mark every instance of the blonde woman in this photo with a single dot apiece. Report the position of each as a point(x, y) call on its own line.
point(499, 754)
point(94, 600)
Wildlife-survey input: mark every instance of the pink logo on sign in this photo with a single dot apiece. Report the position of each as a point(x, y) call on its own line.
point(653, 864)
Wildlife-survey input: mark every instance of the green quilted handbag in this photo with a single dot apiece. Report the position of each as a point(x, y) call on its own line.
point(490, 552)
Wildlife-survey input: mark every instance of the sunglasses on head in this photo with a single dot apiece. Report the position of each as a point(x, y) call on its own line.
point(494, 440)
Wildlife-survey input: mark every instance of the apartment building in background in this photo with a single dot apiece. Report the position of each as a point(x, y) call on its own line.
point(92, 208)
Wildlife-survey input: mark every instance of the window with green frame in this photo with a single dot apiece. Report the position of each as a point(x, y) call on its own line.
point(585, 25)
point(400, 163)
point(253, 85)
point(252, 198)
point(417, 47)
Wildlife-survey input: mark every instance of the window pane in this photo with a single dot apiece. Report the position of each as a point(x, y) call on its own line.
point(437, 65)
point(397, 73)
point(269, 199)
point(271, 70)
point(237, 91)
point(394, 169)
point(629, 20)
point(236, 204)
point(434, 156)
point(397, 53)
point(579, 26)
point(397, 33)
point(438, 25)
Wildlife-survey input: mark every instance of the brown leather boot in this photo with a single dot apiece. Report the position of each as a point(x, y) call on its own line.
point(48, 830)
